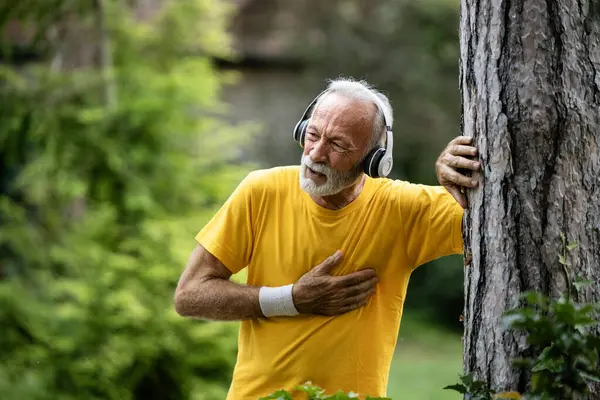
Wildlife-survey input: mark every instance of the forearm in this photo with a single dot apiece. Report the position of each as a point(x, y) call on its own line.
point(219, 299)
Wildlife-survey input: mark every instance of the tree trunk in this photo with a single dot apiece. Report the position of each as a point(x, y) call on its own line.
point(530, 84)
point(105, 55)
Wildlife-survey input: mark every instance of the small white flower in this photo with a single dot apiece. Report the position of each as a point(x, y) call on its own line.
point(353, 395)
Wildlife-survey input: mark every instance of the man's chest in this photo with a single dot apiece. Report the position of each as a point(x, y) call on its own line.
point(289, 243)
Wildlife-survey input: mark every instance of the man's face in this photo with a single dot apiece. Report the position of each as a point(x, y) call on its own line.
point(336, 141)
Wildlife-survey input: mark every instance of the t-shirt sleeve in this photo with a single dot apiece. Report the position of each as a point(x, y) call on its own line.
point(431, 221)
point(229, 234)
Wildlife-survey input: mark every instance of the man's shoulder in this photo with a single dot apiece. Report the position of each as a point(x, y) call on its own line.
point(280, 178)
point(387, 187)
point(409, 192)
point(279, 172)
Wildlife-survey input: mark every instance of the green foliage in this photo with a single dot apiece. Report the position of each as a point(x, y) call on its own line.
point(99, 203)
point(472, 389)
point(567, 359)
point(314, 392)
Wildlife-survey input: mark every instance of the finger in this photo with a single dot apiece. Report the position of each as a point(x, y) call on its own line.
point(462, 140)
point(359, 297)
point(360, 288)
point(352, 307)
point(462, 150)
point(451, 176)
point(460, 162)
point(458, 196)
point(330, 262)
point(356, 278)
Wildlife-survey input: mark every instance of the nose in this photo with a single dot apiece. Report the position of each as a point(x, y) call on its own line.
point(318, 152)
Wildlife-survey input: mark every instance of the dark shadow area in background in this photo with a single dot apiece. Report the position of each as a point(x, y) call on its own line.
point(435, 292)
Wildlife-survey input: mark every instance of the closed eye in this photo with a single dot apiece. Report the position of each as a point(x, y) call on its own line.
point(312, 136)
point(339, 147)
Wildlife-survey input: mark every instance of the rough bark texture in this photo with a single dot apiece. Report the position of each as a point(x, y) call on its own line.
point(530, 82)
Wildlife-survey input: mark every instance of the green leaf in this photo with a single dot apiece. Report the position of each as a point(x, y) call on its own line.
point(341, 395)
point(592, 377)
point(546, 362)
point(565, 313)
point(467, 380)
point(278, 395)
point(593, 343)
point(562, 260)
point(311, 390)
point(535, 298)
point(583, 321)
point(580, 283)
point(457, 387)
point(572, 245)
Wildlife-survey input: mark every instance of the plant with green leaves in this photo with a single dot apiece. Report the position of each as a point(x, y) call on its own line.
point(315, 392)
point(109, 169)
point(566, 351)
point(472, 389)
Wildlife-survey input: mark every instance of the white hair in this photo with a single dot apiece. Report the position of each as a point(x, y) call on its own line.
point(363, 91)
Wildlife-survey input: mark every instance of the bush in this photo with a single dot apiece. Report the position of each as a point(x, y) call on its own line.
point(107, 175)
point(567, 353)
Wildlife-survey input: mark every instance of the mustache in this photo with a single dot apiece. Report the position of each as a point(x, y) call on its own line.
point(317, 167)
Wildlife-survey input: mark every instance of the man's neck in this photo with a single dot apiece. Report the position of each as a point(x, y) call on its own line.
point(343, 198)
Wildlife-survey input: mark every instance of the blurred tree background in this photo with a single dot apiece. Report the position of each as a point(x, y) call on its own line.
point(114, 151)
point(125, 124)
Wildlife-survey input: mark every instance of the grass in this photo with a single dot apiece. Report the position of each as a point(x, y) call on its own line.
point(427, 359)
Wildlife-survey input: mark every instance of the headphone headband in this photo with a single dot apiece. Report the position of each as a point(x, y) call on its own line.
point(389, 137)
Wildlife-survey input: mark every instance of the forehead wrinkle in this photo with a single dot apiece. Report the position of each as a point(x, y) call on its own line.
point(334, 131)
point(343, 113)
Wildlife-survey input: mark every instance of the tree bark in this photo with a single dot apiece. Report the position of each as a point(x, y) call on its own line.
point(530, 87)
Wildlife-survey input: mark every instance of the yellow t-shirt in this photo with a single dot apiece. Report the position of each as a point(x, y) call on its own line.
point(273, 228)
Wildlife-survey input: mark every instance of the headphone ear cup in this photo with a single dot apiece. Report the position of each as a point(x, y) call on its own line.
point(385, 165)
point(372, 160)
point(300, 132)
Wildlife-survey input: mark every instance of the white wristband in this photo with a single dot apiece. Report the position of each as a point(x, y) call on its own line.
point(277, 301)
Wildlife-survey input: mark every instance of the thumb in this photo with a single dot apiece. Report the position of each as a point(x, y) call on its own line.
point(458, 195)
point(326, 266)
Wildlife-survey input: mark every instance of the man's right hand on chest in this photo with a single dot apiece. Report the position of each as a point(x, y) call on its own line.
point(318, 292)
point(206, 291)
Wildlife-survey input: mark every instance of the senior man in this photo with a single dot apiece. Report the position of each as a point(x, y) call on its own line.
point(329, 247)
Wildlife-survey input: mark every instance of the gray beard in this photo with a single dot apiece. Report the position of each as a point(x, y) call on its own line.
point(335, 181)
